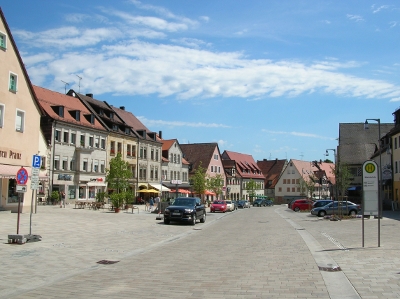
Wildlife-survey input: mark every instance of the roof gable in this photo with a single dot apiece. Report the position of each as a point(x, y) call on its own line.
point(199, 153)
point(48, 100)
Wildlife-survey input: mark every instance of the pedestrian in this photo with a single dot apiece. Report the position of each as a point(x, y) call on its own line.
point(146, 205)
point(151, 203)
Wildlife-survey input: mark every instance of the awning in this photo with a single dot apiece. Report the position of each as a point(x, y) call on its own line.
point(159, 187)
point(10, 171)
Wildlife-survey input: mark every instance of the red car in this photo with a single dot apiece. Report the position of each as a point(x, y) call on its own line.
point(302, 205)
point(218, 206)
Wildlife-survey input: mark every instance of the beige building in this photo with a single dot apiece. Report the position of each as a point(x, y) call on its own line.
point(19, 124)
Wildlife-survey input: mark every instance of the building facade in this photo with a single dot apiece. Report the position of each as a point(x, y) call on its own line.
point(19, 124)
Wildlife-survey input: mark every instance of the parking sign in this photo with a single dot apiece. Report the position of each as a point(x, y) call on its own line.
point(36, 161)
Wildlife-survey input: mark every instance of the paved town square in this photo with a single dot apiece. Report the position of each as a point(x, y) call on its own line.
point(267, 252)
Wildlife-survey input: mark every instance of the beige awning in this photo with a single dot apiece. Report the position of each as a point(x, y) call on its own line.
point(10, 171)
point(160, 187)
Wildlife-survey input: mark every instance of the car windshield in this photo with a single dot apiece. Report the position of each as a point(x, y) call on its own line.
point(184, 202)
point(218, 202)
point(228, 201)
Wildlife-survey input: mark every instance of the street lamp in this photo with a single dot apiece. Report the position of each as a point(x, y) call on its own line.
point(366, 127)
point(336, 183)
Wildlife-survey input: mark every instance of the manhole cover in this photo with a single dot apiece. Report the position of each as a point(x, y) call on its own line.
point(329, 269)
point(105, 262)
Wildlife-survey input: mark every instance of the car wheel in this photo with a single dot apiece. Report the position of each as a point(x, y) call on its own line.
point(321, 213)
point(352, 213)
point(202, 220)
point(194, 219)
point(166, 221)
point(296, 209)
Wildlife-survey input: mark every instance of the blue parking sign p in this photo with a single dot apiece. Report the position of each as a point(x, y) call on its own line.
point(36, 161)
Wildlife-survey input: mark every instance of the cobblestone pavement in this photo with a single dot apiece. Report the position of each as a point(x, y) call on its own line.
point(269, 252)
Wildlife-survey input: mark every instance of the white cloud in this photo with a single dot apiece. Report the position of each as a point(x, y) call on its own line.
point(204, 19)
point(378, 9)
point(395, 100)
point(299, 134)
point(356, 18)
point(161, 123)
point(393, 24)
point(115, 60)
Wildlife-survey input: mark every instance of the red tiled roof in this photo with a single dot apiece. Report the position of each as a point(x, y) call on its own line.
point(271, 170)
point(196, 153)
point(247, 164)
point(48, 99)
point(166, 144)
point(306, 168)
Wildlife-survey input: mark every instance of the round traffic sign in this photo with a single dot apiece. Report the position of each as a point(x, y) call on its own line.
point(22, 176)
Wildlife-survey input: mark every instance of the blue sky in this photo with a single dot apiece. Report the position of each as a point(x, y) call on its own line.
point(272, 79)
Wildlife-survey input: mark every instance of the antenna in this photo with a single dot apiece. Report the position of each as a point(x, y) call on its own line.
point(65, 86)
point(80, 78)
point(301, 155)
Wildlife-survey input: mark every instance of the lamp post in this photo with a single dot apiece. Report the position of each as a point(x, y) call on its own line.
point(366, 127)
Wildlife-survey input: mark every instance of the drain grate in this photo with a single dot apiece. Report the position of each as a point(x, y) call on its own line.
point(105, 262)
point(330, 269)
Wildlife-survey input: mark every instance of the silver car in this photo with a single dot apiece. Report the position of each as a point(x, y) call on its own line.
point(341, 207)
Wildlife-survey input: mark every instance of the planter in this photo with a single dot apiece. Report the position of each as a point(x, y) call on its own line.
point(116, 210)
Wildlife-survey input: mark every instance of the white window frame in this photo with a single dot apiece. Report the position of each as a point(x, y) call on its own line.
point(2, 34)
point(59, 135)
point(2, 112)
point(15, 89)
point(22, 124)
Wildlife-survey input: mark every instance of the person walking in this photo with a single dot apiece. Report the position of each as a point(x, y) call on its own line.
point(151, 202)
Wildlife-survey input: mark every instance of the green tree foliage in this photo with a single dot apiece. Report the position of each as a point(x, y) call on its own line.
point(251, 188)
point(117, 177)
point(119, 174)
point(199, 180)
point(215, 184)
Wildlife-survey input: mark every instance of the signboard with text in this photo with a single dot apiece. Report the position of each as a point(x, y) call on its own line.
point(370, 188)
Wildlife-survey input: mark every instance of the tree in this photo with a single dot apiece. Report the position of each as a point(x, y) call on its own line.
point(343, 176)
point(251, 188)
point(117, 177)
point(199, 181)
point(310, 184)
point(215, 184)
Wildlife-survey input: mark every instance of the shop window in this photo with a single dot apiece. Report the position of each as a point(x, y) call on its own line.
point(13, 195)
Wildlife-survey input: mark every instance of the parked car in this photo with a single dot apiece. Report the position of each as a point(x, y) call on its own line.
point(342, 207)
point(242, 204)
point(269, 202)
point(187, 209)
point(291, 203)
point(230, 205)
point(302, 205)
point(218, 206)
point(261, 202)
point(321, 203)
point(235, 202)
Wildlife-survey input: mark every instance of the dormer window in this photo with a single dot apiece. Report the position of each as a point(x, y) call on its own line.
point(76, 114)
point(111, 115)
point(127, 131)
point(101, 112)
point(115, 128)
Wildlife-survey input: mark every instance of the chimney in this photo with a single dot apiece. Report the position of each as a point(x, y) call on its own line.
point(160, 134)
point(90, 95)
point(122, 108)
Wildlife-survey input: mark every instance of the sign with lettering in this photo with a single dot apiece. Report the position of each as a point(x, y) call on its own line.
point(370, 188)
